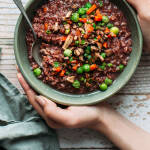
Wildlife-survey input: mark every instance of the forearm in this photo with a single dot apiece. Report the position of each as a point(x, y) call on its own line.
point(122, 132)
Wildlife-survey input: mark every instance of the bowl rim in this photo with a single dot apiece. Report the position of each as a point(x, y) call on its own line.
point(87, 102)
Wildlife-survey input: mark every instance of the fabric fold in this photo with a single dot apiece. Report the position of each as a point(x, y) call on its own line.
point(21, 128)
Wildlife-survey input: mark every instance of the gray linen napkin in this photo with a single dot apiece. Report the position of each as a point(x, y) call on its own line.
point(20, 126)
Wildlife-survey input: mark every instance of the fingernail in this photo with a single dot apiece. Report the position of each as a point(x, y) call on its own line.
point(40, 100)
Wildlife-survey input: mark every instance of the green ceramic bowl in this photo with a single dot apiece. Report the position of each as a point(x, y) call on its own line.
point(70, 99)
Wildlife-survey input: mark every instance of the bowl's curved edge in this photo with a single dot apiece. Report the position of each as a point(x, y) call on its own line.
point(85, 103)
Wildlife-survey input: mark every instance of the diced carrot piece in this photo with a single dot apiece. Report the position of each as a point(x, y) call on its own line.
point(75, 67)
point(45, 9)
point(86, 36)
point(98, 37)
point(97, 12)
point(93, 67)
point(57, 69)
point(91, 9)
point(105, 44)
point(74, 62)
point(62, 73)
point(46, 26)
point(63, 38)
point(90, 28)
point(78, 33)
point(70, 22)
point(84, 20)
point(98, 17)
point(107, 30)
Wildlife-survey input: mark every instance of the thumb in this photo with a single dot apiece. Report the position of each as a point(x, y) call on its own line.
point(135, 3)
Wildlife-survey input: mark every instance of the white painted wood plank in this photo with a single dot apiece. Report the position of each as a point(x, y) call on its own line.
point(135, 108)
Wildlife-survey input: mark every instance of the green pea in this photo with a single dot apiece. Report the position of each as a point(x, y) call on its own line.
point(81, 11)
point(103, 87)
point(88, 5)
point(86, 67)
point(48, 32)
point(76, 43)
point(80, 70)
point(80, 24)
point(37, 72)
point(89, 57)
point(82, 79)
point(82, 42)
point(109, 25)
point(94, 26)
point(121, 67)
point(105, 19)
point(103, 55)
point(56, 64)
point(67, 31)
point(114, 30)
point(110, 65)
point(76, 84)
point(108, 81)
point(75, 17)
point(67, 53)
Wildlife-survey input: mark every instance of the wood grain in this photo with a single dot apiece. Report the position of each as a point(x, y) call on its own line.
point(133, 101)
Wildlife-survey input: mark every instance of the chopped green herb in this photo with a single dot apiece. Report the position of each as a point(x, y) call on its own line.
point(67, 31)
point(48, 32)
point(76, 84)
point(101, 3)
point(103, 55)
point(76, 43)
point(110, 65)
point(80, 24)
point(83, 16)
point(82, 79)
point(67, 72)
point(65, 23)
point(108, 81)
point(82, 42)
point(102, 67)
point(94, 26)
point(109, 25)
point(56, 64)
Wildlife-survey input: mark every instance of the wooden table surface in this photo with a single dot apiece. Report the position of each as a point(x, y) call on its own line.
point(133, 101)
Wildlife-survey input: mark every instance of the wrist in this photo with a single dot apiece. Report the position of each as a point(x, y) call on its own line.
point(104, 118)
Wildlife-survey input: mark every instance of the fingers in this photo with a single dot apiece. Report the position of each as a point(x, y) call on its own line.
point(57, 114)
point(24, 84)
point(136, 4)
point(30, 94)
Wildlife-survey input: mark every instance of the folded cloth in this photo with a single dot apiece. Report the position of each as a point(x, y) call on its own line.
point(21, 128)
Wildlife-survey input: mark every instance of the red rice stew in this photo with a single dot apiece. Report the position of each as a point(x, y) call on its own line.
point(86, 44)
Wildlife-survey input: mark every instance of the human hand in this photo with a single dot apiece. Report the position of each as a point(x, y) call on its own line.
point(71, 117)
point(143, 10)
